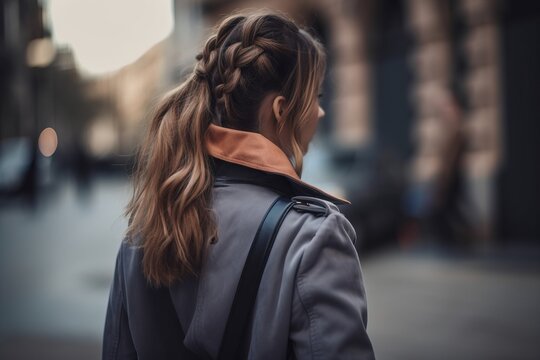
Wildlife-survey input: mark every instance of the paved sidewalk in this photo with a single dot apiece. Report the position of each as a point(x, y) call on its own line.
point(429, 305)
point(56, 263)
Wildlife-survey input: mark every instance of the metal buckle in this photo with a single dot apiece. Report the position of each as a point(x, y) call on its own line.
point(311, 204)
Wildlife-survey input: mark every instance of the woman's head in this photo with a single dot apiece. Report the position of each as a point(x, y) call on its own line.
point(258, 72)
point(261, 55)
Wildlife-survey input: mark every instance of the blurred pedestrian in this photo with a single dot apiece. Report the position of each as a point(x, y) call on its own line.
point(221, 148)
point(433, 201)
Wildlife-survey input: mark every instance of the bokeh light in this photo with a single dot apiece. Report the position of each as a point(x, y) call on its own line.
point(48, 142)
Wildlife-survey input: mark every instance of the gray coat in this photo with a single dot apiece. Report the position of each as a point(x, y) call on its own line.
point(311, 302)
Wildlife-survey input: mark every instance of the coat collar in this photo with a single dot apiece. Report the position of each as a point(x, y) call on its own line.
point(255, 151)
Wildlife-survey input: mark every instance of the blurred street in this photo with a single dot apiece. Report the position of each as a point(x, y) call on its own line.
point(424, 303)
point(428, 304)
point(56, 268)
point(430, 130)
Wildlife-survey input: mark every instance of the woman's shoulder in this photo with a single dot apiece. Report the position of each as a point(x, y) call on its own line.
point(329, 290)
point(324, 212)
point(319, 225)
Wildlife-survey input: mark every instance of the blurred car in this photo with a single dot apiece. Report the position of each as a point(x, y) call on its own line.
point(16, 162)
point(373, 183)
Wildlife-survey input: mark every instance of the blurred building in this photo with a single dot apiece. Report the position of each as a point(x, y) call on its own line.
point(23, 29)
point(129, 94)
point(26, 51)
point(427, 85)
point(431, 105)
point(456, 98)
point(469, 132)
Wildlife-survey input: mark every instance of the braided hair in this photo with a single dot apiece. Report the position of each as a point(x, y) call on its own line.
point(246, 58)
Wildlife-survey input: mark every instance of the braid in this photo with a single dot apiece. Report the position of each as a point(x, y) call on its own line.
point(241, 42)
point(248, 57)
point(206, 59)
point(236, 57)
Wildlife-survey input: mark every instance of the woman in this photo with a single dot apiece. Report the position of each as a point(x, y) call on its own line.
point(220, 149)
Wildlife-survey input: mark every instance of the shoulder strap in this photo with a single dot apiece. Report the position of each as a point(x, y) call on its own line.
point(248, 286)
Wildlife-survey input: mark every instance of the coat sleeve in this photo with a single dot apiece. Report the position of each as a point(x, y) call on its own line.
point(117, 341)
point(329, 316)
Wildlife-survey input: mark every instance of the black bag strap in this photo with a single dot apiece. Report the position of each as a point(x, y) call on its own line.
point(248, 285)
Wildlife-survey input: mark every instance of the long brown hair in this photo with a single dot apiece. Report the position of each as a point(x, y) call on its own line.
point(247, 57)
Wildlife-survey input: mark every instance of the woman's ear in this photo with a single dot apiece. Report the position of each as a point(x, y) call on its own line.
point(277, 107)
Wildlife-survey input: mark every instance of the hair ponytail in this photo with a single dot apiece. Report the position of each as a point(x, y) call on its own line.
point(172, 186)
point(246, 58)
